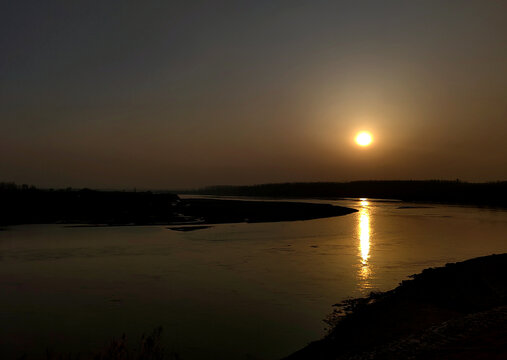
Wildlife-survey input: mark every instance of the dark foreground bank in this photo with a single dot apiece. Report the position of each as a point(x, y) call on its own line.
point(28, 205)
point(454, 312)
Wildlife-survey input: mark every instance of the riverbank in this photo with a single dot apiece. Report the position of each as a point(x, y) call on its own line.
point(25, 205)
point(458, 311)
point(213, 211)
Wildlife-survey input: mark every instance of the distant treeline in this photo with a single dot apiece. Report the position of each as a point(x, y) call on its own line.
point(454, 192)
point(23, 204)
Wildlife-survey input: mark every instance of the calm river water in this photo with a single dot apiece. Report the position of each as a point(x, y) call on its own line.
point(234, 291)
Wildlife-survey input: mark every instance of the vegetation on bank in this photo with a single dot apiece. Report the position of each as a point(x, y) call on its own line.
point(454, 192)
point(149, 347)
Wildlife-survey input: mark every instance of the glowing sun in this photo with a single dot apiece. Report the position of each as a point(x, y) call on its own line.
point(364, 138)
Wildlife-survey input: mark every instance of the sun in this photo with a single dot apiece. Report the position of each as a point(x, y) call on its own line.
point(364, 138)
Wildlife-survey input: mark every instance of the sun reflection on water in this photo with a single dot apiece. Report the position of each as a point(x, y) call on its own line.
point(364, 232)
point(364, 236)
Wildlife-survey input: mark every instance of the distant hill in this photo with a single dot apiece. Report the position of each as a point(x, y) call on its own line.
point(454, 192)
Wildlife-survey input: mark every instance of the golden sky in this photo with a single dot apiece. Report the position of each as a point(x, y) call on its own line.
point(175, 94)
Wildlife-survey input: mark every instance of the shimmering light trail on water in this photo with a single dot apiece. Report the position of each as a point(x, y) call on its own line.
point(364, 234)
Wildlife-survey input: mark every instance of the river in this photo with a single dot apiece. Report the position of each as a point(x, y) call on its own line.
point(233, 291)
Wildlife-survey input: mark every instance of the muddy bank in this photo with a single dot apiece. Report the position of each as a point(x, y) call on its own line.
point(453, 312)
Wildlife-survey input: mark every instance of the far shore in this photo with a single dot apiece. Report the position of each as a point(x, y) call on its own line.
point(491, 194)
point(85, 207)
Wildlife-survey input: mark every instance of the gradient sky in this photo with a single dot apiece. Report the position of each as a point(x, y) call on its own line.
point(177, 94)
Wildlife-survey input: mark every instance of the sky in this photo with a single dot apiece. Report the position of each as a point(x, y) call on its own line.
point(183, 94)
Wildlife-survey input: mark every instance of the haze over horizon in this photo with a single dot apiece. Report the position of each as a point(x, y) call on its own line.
point(174, 94)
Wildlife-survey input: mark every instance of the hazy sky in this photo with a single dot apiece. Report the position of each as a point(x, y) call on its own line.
point(175, 94)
